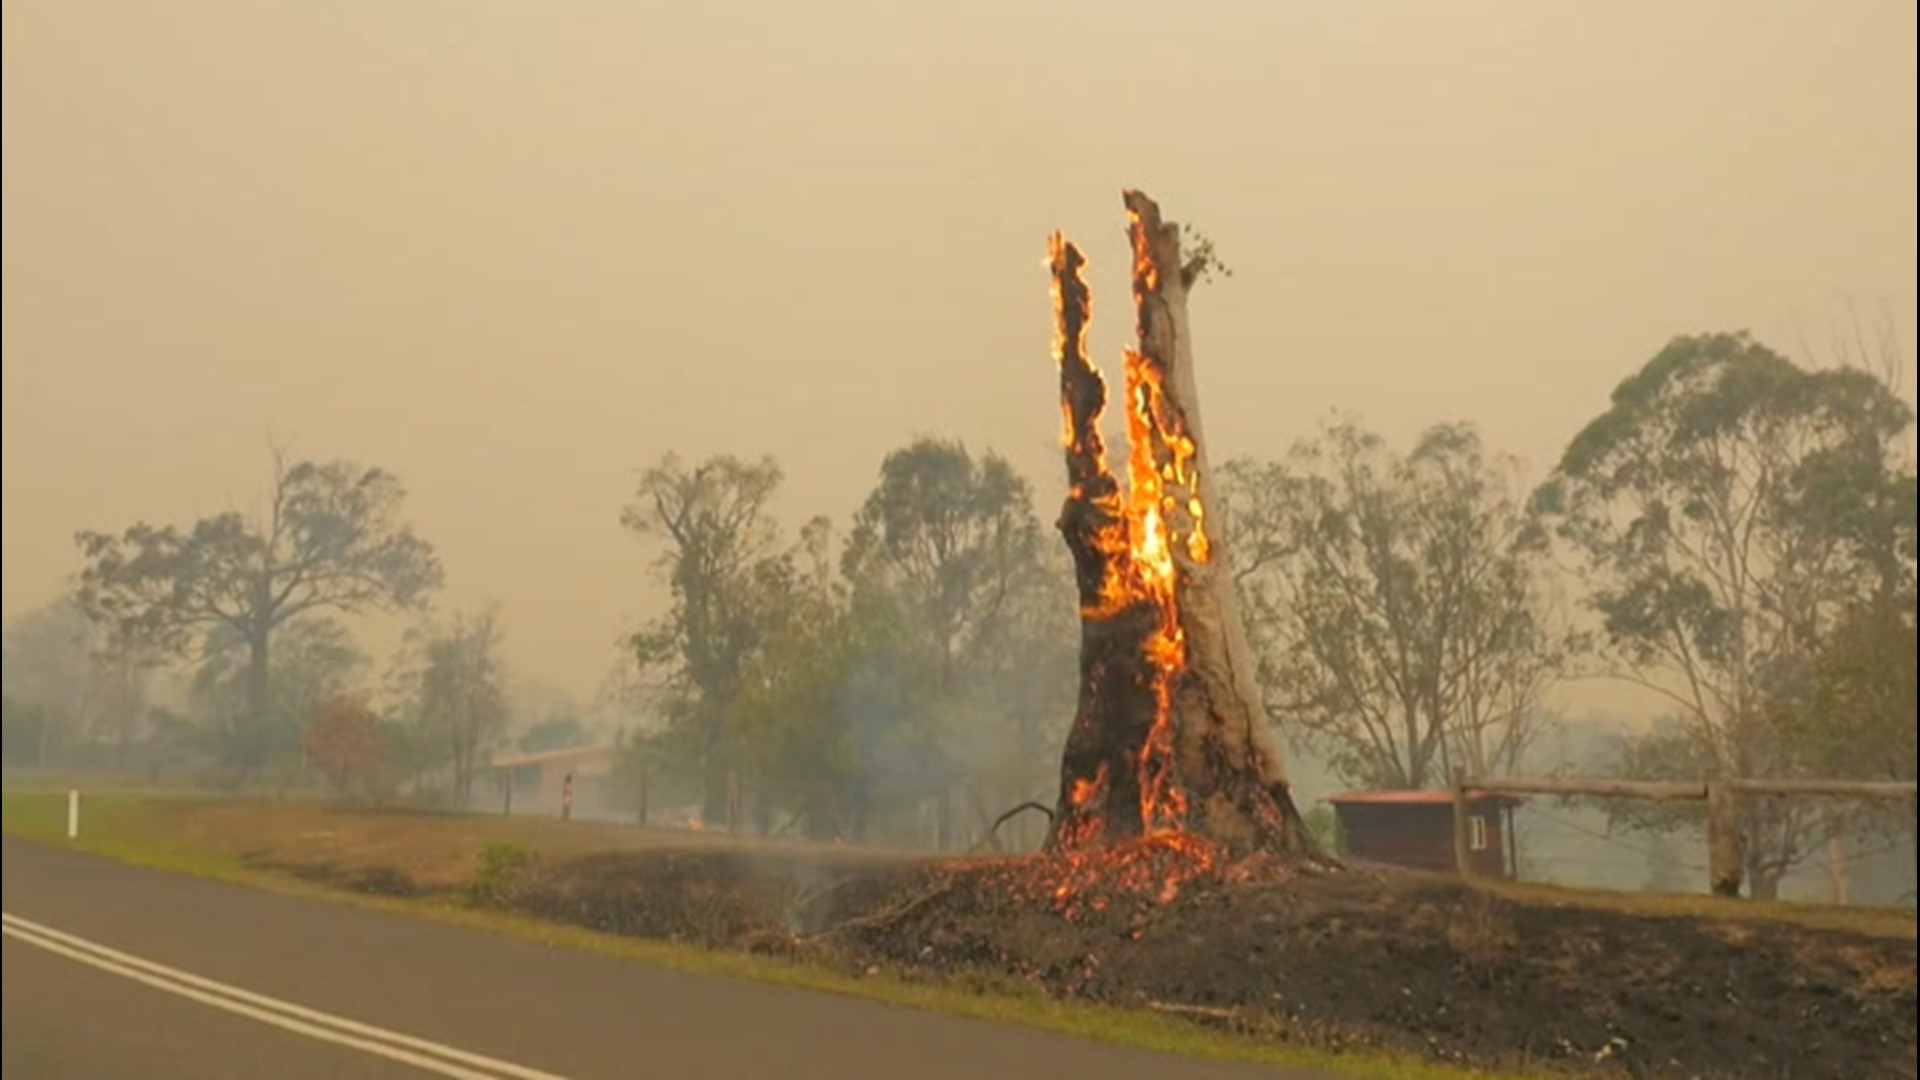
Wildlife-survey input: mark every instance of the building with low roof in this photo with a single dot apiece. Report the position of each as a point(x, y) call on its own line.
point(536, 783)
point(1415, 829)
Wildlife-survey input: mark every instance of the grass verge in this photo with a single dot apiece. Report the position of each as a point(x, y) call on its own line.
point(143, 829)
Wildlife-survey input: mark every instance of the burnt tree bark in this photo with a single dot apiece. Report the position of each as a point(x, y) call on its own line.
point(1100, 790)
point(1169, 734)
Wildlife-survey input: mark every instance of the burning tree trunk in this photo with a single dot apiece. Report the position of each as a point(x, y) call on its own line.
point(1169, 738)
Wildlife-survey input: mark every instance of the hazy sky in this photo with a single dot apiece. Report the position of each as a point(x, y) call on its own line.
point(516, 251)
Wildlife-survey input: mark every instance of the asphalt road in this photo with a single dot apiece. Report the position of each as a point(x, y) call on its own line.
point(114, 971)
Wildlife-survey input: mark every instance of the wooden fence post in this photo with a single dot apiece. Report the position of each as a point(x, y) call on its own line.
point(1837, 867)
point(1725, 846)
point(1462, 853)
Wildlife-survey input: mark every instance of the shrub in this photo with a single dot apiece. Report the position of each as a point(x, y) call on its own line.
point(349, 744)
point(503, 868)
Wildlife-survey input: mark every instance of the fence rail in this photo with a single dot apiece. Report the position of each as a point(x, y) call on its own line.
point(1725, 852)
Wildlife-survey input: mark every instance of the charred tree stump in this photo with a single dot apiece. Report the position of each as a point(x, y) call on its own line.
point(1169, 735)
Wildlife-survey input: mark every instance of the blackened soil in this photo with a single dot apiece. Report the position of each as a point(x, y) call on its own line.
point(1404, 962)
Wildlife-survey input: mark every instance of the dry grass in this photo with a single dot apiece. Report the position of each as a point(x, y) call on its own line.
point(435, 850)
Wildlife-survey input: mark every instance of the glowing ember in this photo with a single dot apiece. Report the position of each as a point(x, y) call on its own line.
point(1168, 766)
point(1145, 527)
point(1146, 868)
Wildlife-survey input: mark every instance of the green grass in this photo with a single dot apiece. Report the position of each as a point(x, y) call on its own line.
point(133, 828)
point(122, 826)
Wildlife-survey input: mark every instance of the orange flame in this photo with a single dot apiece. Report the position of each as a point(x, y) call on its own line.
point(1070, 333)
point(1086, 450)
point(1086, 790)
point(1163, 512)
point(1167, 514)
point(1162, 806)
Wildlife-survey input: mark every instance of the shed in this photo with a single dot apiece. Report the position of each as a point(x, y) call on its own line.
point(536, 781)
point(1415, 829)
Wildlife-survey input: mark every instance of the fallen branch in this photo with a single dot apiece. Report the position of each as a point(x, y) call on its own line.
point(805, 898)
point(992, 837)
point(1016, 811)
point(887, 916)
point(1210, 1012)
point(980, 811)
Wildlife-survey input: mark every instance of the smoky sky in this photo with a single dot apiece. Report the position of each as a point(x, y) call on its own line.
point(516, 251)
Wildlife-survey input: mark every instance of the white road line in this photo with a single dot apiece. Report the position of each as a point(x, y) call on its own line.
point(326, 1027)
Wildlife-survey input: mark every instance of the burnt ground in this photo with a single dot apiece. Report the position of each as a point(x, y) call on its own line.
point(1595, 984)
point(1402, 962)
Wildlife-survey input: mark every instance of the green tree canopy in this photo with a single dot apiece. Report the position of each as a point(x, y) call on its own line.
point(1728, 510)
point(553, 733)
point(1399, 600)
point(966, 624)
point(316, 661)
point(722, 556)
point(453, 683)
point(52, 676)
point(331, 540)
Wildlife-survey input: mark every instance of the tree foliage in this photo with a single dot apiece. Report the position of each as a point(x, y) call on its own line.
point(965, 624)
point(799, 743)
point(1399, 602)
point(553, 733)
point(722, 557)
point(48, 655)
point(61, 681)
point(316, 661)
point(835, 696)
point(351, 747)
point(1854, 713)
point(24, 733)
point(454, 684)
point(331, 540)
point(949, 542)
point(1856, 718)
point(1728, 511)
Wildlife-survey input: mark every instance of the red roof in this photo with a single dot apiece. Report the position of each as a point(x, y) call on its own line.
point(1428, 797)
